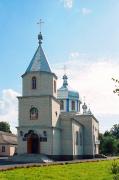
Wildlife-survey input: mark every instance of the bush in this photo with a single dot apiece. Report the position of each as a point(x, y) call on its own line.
point(108, 145)
point(115, 168)
point(116, 177)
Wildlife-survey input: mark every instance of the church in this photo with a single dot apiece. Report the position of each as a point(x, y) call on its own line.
point(50, 119)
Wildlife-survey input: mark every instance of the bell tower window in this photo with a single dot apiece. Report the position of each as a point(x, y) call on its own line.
point(34, 82)
point(33, 113)
point(55, 86)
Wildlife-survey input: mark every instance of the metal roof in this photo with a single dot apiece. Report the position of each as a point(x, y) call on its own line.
point(39, 61)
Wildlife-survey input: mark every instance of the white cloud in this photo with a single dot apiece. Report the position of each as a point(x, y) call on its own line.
point(67, 3)
point(9, 108)
point(86, 11)
point(74, 55)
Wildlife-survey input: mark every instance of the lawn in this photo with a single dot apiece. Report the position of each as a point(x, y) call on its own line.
point(82, 171)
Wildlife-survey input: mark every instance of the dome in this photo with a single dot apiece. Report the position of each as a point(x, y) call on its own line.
point(69, 98)
point(73, 94)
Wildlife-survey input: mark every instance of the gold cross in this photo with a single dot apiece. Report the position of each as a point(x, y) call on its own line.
point(40, 23)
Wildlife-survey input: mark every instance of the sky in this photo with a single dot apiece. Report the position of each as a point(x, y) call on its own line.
point(81, 34)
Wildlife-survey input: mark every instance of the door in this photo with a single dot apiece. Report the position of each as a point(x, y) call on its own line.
point(33, 144)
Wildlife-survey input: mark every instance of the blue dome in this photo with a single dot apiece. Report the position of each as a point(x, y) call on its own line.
point(73, 94)
point(69, 98)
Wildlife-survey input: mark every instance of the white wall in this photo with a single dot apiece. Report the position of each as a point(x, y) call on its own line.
point(77, 148)
point(43, 104)
point(45, 84)
point(56, 141)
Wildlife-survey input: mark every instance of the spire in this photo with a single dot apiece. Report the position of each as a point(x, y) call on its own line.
point(39, 61)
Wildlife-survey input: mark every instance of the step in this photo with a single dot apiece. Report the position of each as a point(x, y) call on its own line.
point(31, 158)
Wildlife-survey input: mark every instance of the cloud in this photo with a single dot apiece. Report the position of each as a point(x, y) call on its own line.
point(91, 77)
point(86, 11)
point(9, 108)
point(68, 3)
point(74, 55)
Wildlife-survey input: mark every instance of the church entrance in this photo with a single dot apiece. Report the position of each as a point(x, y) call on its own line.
point(33, 143)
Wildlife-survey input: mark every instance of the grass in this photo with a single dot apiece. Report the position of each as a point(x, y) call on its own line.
point(80, 171)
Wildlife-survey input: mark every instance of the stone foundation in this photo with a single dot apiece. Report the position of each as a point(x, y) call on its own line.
point(69, 157)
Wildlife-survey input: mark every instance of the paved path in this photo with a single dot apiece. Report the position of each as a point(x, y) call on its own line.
point(8, 165)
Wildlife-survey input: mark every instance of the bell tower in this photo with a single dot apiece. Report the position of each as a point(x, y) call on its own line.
point(38, 107)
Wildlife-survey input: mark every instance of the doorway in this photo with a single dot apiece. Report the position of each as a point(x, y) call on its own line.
point(33, 144)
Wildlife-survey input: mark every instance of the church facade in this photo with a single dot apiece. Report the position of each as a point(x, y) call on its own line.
point(50, 121)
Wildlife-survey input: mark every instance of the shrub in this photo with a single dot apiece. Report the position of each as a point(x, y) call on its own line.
point(115, 168)
point(116, 177)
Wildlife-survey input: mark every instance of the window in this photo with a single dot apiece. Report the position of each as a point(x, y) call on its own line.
point(81, 139)
point(61, 105)
point(43, 139)
point(77, 139)
point(56, 113)
point(33, 113)
point(55, 86)
point(33, 82)
point(45, 133)
point(3, 148)
point(73, 105)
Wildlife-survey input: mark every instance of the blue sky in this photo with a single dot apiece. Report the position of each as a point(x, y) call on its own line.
point(83, 34)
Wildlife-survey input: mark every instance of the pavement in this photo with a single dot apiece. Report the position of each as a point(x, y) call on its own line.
point(6, 164)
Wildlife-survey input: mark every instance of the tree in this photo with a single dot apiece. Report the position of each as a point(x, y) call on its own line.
point(107, 133)
point(109, 141)
point(115, 131)
point(4, 126)
point(108, 145)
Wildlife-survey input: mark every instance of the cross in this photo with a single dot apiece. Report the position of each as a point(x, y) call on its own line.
point(65, 68)
point(40, 23)
point(84, 99)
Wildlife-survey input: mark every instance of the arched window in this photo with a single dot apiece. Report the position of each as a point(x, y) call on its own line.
point(34, 82)
point(77, 138)
point(33, 113)
point(55, 86)
point(81, 139)
point(61, 105)
point(73, 105)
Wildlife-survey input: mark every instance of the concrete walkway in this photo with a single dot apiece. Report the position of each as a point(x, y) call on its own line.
point(8, 165)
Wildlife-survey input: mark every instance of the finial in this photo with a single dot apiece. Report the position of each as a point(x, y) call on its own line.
point(65, 83)
point(84, 106)
point(40, 37)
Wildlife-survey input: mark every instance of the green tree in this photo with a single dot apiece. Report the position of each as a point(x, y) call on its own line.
point(4, 126)
point(107, 133)
point(115, 131)
point(108, 145)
